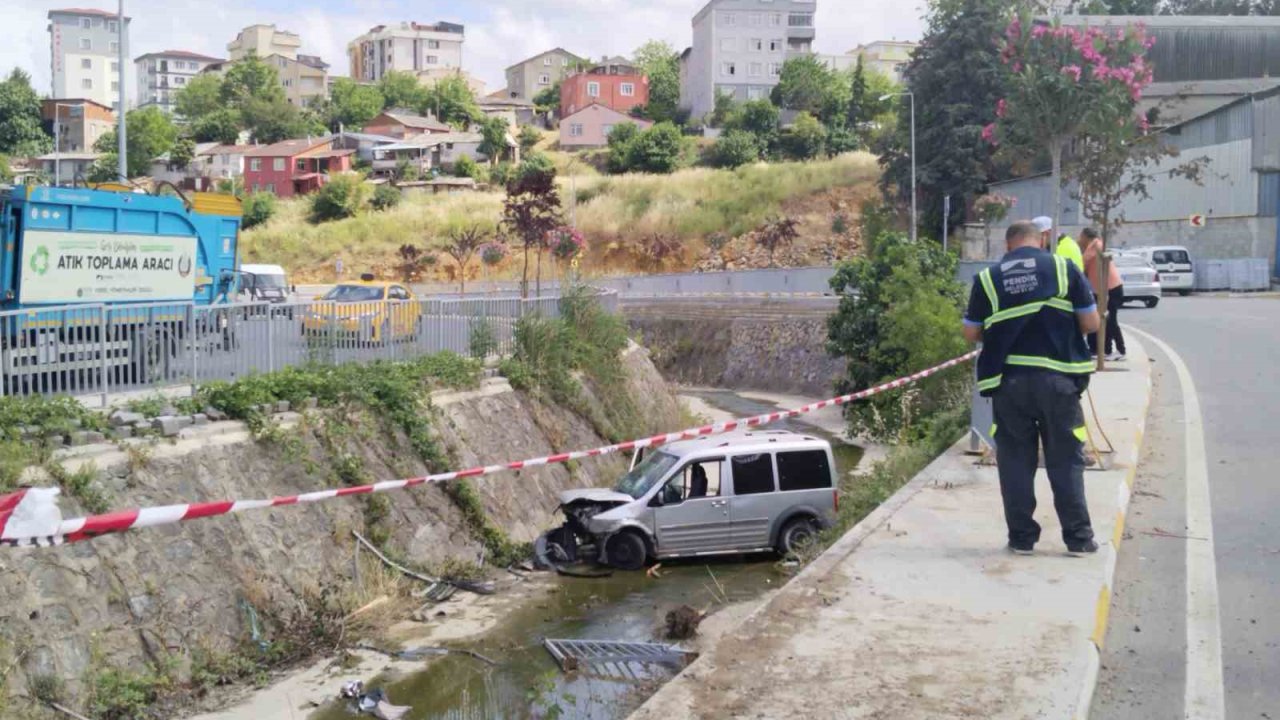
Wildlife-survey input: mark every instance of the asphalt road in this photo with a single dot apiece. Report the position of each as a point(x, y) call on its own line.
point(1231, 346)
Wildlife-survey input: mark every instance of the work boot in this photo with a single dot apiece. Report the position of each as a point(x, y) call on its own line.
point(1087, 547)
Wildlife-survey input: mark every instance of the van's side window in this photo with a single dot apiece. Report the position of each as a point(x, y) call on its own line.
point(752, 474)
point(803, 470)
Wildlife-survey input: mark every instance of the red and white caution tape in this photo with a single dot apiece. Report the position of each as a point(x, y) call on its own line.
point(39, 522)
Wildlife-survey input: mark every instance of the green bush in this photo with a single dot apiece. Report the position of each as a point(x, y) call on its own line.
point(120, 694)
point(733, 149)
point(482, 342)
point(806, 139)
point(897, 314)
point(529, 136)
point(466, 167)
point(660, 149)
point(342, 197)
point(385, 197)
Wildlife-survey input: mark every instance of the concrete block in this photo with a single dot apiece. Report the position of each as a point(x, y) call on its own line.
point(85, 437)
point(122, 433)
point(214, 414)
point(142, 425)
point(200, 419)
point(310, 404)
point(282, 406)
point(120, 418)
point(185, 421)
point(167, 425)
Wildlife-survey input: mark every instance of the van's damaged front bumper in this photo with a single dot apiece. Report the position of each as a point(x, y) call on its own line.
point(582, 536)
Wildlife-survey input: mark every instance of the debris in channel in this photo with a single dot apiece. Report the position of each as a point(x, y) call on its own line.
point(373, 702)
point(683, 622)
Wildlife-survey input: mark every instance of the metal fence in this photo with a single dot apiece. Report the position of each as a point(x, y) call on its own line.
point(98, 350)
point(1241, 275)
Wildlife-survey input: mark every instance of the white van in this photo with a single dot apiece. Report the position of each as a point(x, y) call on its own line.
point(263, 283)
point(1173, 262)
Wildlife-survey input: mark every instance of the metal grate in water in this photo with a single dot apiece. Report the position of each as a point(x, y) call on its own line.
point(606, 654)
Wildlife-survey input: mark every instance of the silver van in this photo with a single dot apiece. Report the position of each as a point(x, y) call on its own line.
point(744, 492)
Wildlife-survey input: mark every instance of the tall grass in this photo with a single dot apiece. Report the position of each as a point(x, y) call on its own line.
point(689, 204)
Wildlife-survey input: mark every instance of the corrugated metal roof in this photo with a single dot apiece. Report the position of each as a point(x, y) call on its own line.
point(1203, 48)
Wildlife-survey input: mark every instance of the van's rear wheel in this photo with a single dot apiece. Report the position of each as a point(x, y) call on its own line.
point(1184, 293)
point(626, 551)
point(797, 535)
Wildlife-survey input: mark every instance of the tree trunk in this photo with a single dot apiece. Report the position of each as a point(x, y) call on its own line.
point(538, 281)
point(524, 276)
point(1055, 180)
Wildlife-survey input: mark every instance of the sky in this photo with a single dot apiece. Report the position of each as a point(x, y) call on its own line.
point(499, 32)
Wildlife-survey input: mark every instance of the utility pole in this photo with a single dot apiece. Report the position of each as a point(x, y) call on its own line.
point(121, 133)
point(946, 220)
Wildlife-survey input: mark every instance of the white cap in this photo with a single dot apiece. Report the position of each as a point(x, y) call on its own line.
point(1043, 223)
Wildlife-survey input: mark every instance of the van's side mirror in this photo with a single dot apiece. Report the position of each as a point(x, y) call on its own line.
point(656, 500)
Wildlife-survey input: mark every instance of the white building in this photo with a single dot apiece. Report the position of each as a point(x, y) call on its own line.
point(739, 47)
point(264, 40)
point(160, 75)
point(424, 50)
point(84, 47)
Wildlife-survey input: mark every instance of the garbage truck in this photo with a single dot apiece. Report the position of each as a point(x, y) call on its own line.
point(101, 285)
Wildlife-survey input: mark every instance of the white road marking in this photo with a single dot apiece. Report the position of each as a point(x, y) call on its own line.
point(1205, 698)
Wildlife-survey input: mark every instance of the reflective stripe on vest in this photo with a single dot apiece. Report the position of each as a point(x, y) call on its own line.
point(1063, 286)
point(1029, 309)
point(990, 289)
point(1071, 368)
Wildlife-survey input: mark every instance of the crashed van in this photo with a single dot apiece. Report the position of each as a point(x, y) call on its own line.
point(745, 492)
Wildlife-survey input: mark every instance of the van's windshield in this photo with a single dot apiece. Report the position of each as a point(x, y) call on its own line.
point(645, 475)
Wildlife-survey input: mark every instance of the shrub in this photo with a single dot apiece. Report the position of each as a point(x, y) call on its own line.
point(342, 197)
point(501, 173)
point(806, 139)
point(656, 150)
point(482, 342)
point(466, 167)
point(734, 148)
point(258, 208)
point(897, 314)
point(529, 136)
point(385, 197)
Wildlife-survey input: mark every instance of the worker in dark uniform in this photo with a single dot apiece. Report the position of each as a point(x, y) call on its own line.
point(1031, 312)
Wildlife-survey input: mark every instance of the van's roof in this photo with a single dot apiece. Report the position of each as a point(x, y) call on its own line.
point(745, 441)
point(262, 269)
point(1153, 248)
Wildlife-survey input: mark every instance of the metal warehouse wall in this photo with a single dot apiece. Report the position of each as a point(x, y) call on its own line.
point(1266, 133)
point(1215, 53)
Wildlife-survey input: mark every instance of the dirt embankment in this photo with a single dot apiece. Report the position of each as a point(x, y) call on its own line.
point(162, 596)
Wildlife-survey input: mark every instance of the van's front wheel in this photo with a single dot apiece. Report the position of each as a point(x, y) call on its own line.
point(626, 551)
point(797, 535)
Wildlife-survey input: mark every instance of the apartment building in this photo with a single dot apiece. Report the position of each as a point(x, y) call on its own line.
point(739, 47)
point(160, 75)
point(425, 50)
point(264, 40)
point(887, 57)
point(84, 55)
point(616, 84)
point(77, 123)
point(531, 76)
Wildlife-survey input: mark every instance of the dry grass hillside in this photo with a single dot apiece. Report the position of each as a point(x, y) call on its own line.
point(646, 223)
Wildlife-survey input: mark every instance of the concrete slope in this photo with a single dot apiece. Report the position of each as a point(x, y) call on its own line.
point(920, 612)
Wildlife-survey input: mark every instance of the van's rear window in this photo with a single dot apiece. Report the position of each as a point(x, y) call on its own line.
point(803, 470)
point(1170, 256)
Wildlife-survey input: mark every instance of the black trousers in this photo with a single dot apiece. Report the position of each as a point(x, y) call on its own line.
point(1031, 408)
point(1115, 338)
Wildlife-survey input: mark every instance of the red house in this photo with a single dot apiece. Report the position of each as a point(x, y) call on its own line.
point(615, 84)
point(294, 167)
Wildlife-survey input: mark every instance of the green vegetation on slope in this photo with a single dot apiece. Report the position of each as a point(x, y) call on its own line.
point(618, 211)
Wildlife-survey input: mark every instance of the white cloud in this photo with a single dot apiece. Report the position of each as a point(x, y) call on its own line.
point(499, 32)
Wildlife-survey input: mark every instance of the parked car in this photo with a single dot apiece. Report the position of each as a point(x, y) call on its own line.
point(1173, 263)
point(366, 311)
point(738, 493)
point(1141, 281)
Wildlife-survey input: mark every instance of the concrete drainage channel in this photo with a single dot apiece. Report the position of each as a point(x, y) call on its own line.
point(625, 607)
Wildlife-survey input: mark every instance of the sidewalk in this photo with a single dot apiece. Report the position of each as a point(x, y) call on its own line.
point(921, 612)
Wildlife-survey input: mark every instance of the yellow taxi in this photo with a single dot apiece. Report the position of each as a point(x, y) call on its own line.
point(365, 311)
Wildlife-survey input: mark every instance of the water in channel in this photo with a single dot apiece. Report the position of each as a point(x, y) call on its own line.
point(628, 606)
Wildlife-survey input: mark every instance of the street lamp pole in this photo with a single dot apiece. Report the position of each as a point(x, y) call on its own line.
point(121, 131)
point(912, 96)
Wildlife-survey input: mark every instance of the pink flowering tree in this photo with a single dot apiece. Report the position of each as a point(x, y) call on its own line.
point(1066, 83)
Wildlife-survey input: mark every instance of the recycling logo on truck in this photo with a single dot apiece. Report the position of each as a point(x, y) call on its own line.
point(40, 260)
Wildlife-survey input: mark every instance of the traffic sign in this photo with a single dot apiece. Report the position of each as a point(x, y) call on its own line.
point(1198, 221)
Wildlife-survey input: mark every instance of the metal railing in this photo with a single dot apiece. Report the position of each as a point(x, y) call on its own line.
point(87, 350)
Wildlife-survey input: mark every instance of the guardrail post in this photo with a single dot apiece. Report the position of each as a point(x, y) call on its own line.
point(102, 352)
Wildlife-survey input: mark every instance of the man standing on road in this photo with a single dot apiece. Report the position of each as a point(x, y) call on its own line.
point(1114, 289)
point(1031, 312)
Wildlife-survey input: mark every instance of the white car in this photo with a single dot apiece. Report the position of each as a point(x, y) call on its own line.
point(1173, 263)
point(1141, 281)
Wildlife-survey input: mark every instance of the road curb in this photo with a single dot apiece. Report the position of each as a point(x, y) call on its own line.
point(1102, 610)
